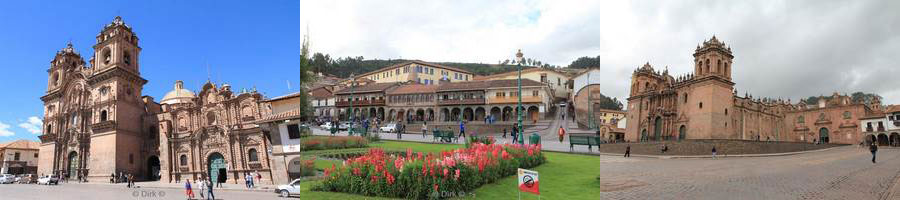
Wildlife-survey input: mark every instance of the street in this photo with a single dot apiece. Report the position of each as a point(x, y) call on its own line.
point(113, 192)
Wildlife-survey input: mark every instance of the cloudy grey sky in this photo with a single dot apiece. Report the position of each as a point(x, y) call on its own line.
point(789, 49)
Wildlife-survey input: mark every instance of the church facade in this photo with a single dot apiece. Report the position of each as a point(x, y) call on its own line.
point(705, 105)
point(98, 123)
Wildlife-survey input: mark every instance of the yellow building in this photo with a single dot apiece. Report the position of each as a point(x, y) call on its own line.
point(418, 71)
point(557, 81)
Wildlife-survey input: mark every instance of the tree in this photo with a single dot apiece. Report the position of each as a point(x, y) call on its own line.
point(306, 78)
point(320, 61)
point(857, 97)
point(585, 62)
point(607, 103)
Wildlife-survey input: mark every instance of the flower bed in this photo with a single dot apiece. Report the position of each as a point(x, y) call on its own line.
point(423, 176)
point(336, 142)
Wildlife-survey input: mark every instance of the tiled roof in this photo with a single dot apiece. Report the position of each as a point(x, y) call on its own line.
point(461, 86)
point(321, 92)
point(20, 144)
point(290, 114)
point(295, 94)
point(413, 89)
point(893, 108)
point(372, 87)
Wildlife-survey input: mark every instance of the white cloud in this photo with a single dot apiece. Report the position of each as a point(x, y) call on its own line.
point(808, 47)
point(4, 130)
point(33, 125)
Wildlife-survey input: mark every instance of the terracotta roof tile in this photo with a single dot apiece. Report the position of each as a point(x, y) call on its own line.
point(512, 83)
point(20, 144)
point(291, 114)
point(461, 86)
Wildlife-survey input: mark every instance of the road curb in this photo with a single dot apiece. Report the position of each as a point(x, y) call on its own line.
point(721, 156)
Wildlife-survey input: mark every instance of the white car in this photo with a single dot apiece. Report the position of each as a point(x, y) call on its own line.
point(389, 128)
point(48, 179)
point(289, 189)
point(7, 178)
point(326, 126)
point(344, 126)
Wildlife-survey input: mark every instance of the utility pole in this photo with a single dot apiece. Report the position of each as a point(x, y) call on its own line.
point(519, 83)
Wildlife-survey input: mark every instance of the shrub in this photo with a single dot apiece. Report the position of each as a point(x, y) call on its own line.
point(307, 167)
point(419, 176)
point(336, 142)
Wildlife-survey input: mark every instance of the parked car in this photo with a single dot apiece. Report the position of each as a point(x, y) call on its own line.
point(344, 126)
point(7, 178)
point(390, 128)
point(26, 179)
point(289, 189)
point(48, 179)
point(326, 126)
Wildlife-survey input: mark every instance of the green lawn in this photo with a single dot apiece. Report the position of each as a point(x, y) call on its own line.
point(564, 176)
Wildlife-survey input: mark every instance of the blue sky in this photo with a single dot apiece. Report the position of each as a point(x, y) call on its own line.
point(245, 44)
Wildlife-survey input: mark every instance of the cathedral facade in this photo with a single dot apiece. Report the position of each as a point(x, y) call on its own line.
point(97, 122)
point(705, 105)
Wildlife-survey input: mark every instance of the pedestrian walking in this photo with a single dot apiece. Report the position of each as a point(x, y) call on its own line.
point(714, 152)
point(130, 180)
point(664, 148)
point(209, 188)
point(462, 129)
point(201, 185)
point(258, 177)
point(249, 180)
point(220, 180)
point(562, 132)
point(112, 177)
point(874, 149)
point(515, 133)
point(504, 132)
point(401, 130)
point(424, 129)
point(628, 151)
point(187, 189)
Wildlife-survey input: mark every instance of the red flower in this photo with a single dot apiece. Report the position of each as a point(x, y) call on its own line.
point(435, 187)
point(455, 177)
point(356, 171)
point(446, 172)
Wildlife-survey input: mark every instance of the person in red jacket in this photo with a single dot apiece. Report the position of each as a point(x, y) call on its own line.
point(562, 132)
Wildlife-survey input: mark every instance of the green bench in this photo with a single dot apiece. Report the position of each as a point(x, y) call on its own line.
point(590, 141)
point(444, 136)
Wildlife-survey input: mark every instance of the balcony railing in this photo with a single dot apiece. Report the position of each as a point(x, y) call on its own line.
point(869, 129)
point(376, 102)
point(460, 101)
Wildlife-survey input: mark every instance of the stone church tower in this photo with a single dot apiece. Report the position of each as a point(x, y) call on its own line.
point(96, 121)
point(710, 94)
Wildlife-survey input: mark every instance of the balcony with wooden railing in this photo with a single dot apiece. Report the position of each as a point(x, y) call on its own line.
point(473, 101)
point(367, 102)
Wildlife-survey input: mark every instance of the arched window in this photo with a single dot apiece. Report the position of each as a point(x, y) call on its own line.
point(211, 118)
point(800, 120)
point(700, 68)
point(49, 128)
point(252, 155)
point(182, 160)
point(106, 55)
point(701, 104)
point(646, 86)
point(55, 79)
point(685, 97)
point(719, 66)
point(126, 57)
point(103, 115)
point(726, 111)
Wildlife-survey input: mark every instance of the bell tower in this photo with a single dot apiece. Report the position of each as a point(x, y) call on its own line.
point(117, 47)
point(713, 59)
point(67, 61)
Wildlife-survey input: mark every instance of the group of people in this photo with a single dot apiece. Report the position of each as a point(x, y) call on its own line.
point(203, 184)
point(122, 177)
point(515, 133)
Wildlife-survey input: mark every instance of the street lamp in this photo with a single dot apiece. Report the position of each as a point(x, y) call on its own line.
point(519, 59)
point(352, 114)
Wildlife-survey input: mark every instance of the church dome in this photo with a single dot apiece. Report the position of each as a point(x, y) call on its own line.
point(178, 95)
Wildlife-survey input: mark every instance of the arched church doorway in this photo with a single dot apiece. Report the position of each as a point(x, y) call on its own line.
point(644, 135)
point(682, 133)
point(657, 128)
point(153, 168)
point(72, 165)
point(823, 135)
point(216, 167)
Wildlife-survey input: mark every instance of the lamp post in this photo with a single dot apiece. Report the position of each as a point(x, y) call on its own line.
point(519, 83)
point(352, 114)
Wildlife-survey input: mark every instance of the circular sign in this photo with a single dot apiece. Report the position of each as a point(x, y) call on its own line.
point(529, 181)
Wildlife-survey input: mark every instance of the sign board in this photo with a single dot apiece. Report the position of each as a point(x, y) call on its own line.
point(528, 181)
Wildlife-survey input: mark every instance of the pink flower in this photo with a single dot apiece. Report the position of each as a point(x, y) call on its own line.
point(446, 172)
point(455, 177)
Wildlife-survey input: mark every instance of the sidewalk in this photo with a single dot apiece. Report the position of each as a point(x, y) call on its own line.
point(180, 185)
